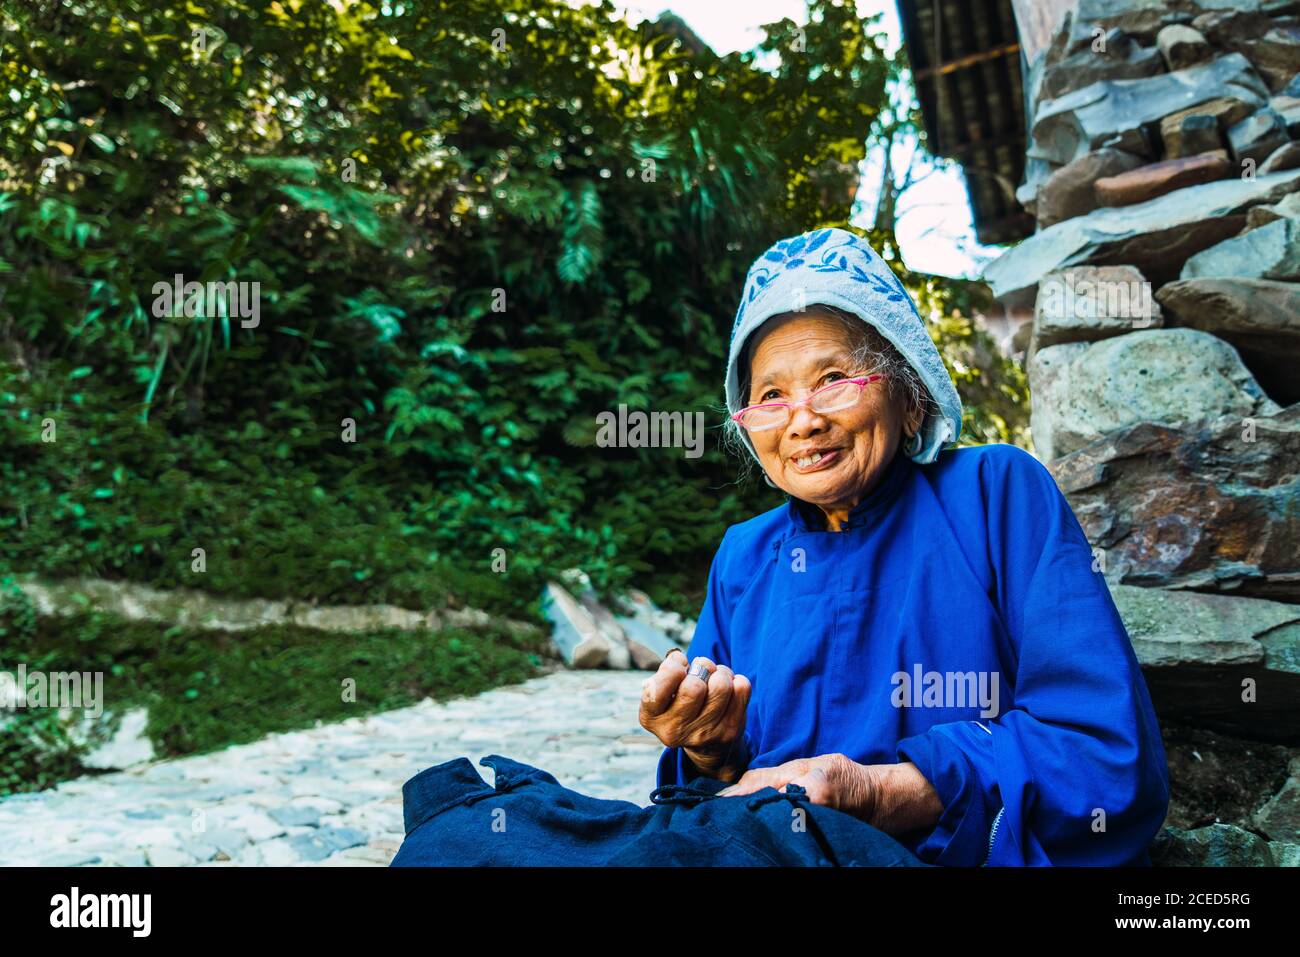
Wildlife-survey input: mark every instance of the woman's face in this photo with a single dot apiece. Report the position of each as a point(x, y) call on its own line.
point(795, 356)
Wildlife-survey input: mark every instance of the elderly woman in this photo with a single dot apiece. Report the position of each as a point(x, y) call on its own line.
point(919, 640)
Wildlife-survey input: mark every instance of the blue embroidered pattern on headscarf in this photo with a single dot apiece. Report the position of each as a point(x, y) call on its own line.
point(837, 268)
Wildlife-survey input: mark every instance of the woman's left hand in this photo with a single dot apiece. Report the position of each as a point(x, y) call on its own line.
point(832, 780)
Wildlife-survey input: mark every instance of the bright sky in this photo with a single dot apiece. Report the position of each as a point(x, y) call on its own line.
point(934, 219)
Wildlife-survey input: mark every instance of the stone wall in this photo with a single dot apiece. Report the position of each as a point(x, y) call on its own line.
point(1164, 276)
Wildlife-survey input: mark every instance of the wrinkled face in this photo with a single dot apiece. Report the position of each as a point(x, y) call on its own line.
point(795, 356)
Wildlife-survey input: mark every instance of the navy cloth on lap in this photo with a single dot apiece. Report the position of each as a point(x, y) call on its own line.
point(455, 818)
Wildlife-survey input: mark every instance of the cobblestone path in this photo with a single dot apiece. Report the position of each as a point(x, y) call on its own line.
point(332, 795)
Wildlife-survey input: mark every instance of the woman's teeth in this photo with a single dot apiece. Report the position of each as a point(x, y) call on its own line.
point(806, 461)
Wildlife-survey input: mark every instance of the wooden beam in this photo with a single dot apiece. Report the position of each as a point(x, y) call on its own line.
point(1016, 140)
point(983, 119)
point(969, 60)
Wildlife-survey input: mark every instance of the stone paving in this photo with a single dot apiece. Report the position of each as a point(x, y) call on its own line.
point(332, 795)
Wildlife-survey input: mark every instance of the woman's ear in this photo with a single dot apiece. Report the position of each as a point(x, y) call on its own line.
point(915, 422)
point(916, 415)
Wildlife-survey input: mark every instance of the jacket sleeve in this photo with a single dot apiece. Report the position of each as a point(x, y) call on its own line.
point(1073, 771)
point(712, 640)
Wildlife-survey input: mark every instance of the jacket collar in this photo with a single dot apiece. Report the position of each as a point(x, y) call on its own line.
point(806, 517)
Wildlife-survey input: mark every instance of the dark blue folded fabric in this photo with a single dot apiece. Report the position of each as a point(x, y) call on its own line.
point(455, 818)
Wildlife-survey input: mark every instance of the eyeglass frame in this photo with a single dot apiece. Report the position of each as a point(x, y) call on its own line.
point(860, 381)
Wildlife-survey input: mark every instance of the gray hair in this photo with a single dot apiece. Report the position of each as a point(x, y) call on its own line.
point(874, 352)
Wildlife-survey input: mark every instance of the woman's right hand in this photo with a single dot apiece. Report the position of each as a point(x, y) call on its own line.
point(706, 719)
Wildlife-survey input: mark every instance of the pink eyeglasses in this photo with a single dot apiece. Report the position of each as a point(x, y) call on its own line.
point(833, 398)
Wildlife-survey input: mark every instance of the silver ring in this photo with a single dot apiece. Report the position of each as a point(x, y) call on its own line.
point(700, 670)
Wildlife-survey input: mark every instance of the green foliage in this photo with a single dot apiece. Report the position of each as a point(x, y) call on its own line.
point(36, 749)
point(993, 388)
point(468, 248)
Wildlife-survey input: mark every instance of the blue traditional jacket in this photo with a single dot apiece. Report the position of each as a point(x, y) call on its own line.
point(957, 622)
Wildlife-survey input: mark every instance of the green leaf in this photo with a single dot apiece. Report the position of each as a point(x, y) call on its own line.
point(300, 169)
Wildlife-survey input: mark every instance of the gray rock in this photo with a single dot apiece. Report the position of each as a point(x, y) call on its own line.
point(648, 644)
point(1090, 303)
point(1285, 855)
point(1080, 391)
point(257, 825)
point(1286, 208)
point(1271, 251)
point(164, 856)
point(637, 604)
point(1121, 59)
point(227, 840)
point(1156, 236)
point(200, 851)
point(1218, 845)
point(359, 618)
point(296, 816)
point(1197, 651)
point(1209, 507)
point(1036, 173)
point(1182, 46)
point(1069, 192)
point(280, 852)
point(195, 609)
point(212, 793)
point(341, 838)
point(1256, 137)
point(577, 637)
point(1157, 179)
point(1117, 110)
point(620, 655)
point(1272, 45)
point(1199, 129)
point(1259, 317)
point(1027, 196)
point(1288, 107)
point(476, 620)
point(1192, 134)
point(144, 814)
point(1141, 19)
point(70, 858)
point(320, 844)
point(1185, 628)
point(128, 858)
point(1286, 156)
point(129, 746)
point(1279, 818)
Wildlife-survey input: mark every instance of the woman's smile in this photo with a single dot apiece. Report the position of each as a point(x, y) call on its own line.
point(806, 461)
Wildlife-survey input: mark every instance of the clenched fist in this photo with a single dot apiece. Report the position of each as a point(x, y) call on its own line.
point(700, 710)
